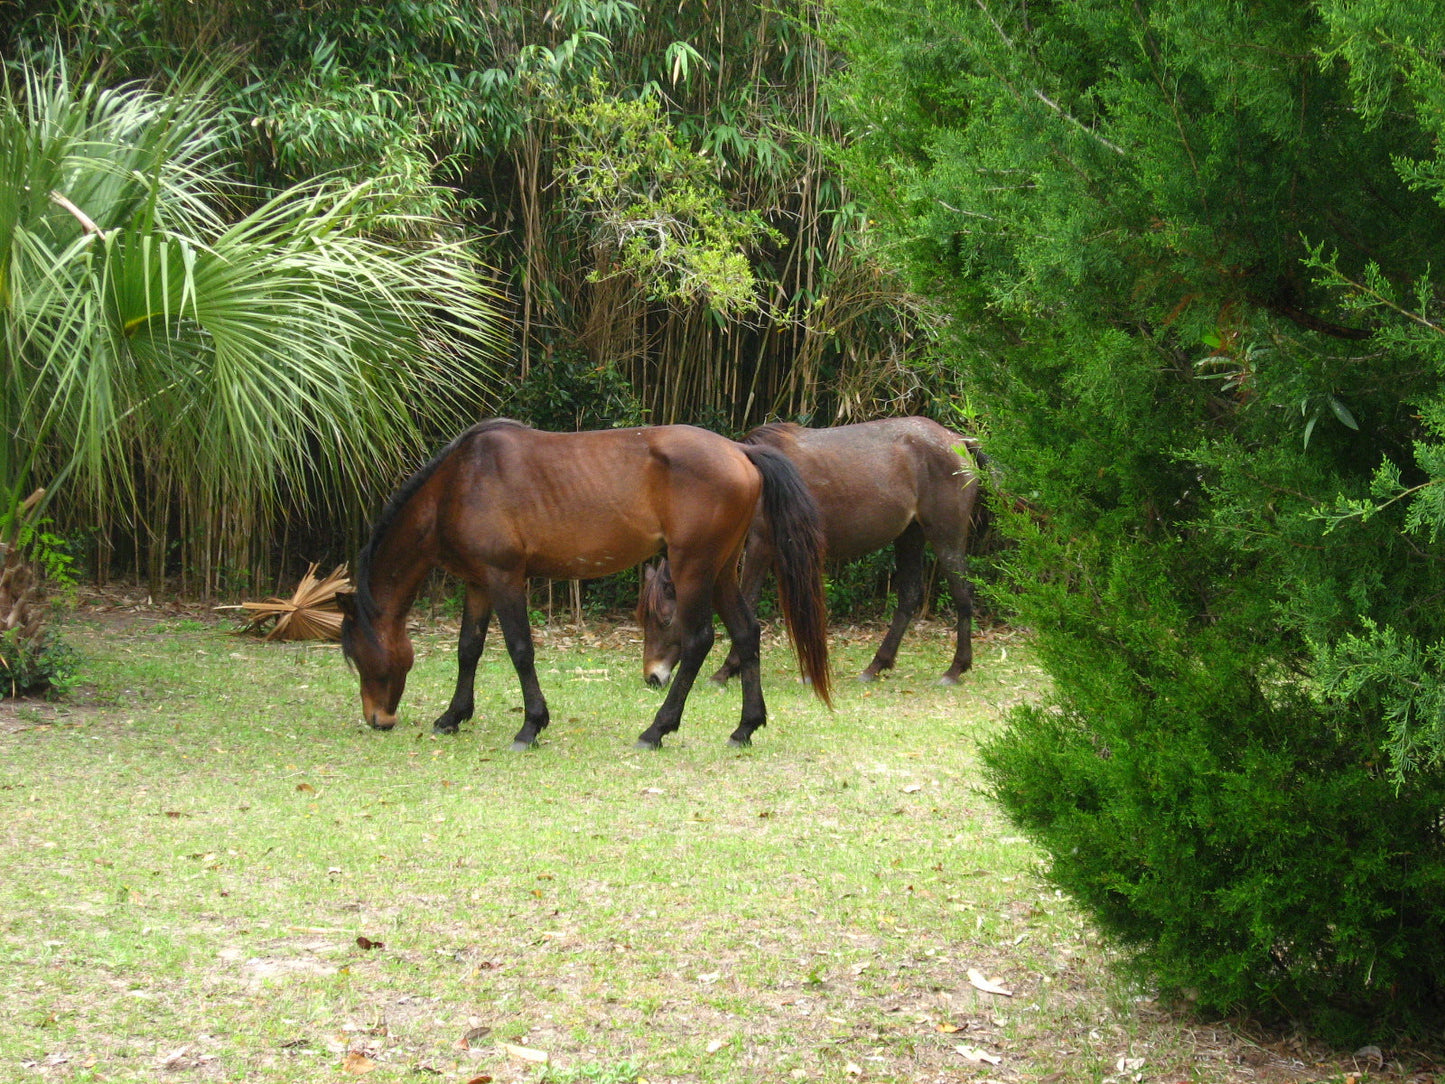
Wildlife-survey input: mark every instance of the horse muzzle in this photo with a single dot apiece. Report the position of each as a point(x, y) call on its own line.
point(378, 720)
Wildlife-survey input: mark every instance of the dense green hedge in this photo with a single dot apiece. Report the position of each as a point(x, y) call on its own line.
point(1185, 253)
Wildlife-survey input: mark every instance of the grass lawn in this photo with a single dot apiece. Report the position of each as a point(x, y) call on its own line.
point(211, 871)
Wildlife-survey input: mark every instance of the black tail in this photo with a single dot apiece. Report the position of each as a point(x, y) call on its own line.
point(981, 526)
point(797, 525)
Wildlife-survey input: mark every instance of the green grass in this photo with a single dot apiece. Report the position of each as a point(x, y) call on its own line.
point(192, 848)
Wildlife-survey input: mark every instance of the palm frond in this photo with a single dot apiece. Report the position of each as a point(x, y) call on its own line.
point(309, 614)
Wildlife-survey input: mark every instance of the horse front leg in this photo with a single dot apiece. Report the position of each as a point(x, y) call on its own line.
point(908, 582)
point(697, 637)
point(510, 602)
point(476, 614)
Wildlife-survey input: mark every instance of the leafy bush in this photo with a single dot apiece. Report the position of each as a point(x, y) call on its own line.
point(35, 665)
point(1245, 848)
point(1193, 298)
point(568, 392)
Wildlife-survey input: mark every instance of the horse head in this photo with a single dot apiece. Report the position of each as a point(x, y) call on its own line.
point(656, 613)
point(382, 657)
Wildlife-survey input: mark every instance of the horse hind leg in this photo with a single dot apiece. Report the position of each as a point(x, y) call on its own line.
point(476, 614)
point(695, 620)
point(740, 619)
point(756, 564)
point(511, 609)
point(959, 585)
point(948, 533)
point(908, 582)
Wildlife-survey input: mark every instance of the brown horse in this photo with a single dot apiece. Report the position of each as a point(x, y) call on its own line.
point(898, 480)
point(504, 502)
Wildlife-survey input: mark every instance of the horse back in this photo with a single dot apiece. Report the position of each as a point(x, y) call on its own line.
point(873, 479)
point(581, 505)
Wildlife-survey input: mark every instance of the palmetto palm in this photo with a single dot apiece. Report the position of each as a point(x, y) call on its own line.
point(173, 359)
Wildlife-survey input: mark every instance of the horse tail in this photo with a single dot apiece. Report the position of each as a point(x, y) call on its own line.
point(798, 543)
point(981, 521)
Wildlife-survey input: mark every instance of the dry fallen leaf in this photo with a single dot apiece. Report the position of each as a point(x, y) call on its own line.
point(989, 986)
point(366, 944)
point(526, 1053)
point(973, 1053)
point(171, 1060)
point(357, 1063)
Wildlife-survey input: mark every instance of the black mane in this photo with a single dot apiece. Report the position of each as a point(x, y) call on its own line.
point(778, 431)
point(366, 608)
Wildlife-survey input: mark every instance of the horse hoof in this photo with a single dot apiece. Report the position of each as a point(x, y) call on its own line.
point(867, 677)
point(520, 746)
point(948, 679)
point(740, 743)
point(644, 743)
point(438, 728)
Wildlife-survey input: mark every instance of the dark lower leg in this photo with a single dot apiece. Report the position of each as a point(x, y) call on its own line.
point(908, 582)
point(962, 591)
point(756, 565)
point(742, 625)
point(475, 617)
point(512, 616)
point(697, 641)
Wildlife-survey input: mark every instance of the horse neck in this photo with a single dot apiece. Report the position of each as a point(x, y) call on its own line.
point(399, 564)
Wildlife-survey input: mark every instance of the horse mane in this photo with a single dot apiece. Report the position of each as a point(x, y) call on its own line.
point(776, 434)
point(650, 592)
point(366, 608)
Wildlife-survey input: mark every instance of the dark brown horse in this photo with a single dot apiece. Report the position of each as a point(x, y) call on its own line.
point(504, 502)
point(899, 480)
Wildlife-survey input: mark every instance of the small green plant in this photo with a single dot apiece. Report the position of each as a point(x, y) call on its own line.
point(623, 1072)
point(45, 664)
point(51, 554)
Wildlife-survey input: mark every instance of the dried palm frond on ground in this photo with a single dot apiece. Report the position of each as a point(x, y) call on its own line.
point(309, 614)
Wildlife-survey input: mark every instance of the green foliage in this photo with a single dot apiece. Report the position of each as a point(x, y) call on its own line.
point(567, 393)
point(1193, 297)
point(724, 279)
point(1393, 677)
point(1253, 856)
point(176, 360)
point(858, 590)
point(52, 554)
point(30, 665)
point(655, 209)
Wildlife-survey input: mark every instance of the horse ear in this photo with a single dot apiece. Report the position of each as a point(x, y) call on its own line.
point(346, 603)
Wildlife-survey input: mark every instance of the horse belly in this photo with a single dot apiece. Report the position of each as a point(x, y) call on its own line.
point(586, 564)
point(590, 547)
point(860, 519)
